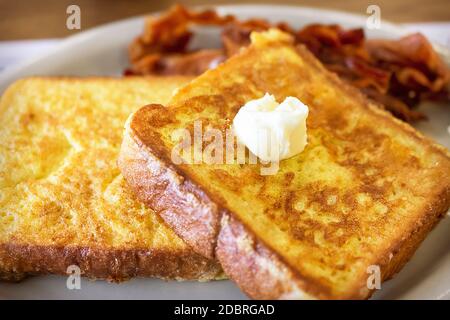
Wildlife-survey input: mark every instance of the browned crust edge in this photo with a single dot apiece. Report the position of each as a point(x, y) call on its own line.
point(258, 271)
point(116, 265)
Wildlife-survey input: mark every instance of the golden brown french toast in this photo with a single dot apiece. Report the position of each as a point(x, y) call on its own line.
point(62, 199)
point(365, 192)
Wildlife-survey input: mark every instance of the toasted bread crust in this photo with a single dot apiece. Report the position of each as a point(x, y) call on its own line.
point(116, 265)
point(258, 269)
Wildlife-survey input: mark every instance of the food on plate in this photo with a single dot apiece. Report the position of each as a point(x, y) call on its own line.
point(399, 74)
point(364, 192)
point(270, 130)
point(62, 199)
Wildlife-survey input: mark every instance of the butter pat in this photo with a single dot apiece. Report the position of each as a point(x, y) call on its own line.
point(270, 130)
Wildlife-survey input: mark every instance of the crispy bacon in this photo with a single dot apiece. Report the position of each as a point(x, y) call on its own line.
point(169, 34)
point(342, 51)
point(396, 106)
point(399, 74)
point(418, 70)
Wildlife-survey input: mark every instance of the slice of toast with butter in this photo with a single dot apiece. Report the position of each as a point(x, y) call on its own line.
point(63, 201)
point(360, 197)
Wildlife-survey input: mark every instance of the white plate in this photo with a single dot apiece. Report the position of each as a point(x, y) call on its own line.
point(102, 51)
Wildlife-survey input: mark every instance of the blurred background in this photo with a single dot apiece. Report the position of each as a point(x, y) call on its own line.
point(30, 19)
point(31, 27)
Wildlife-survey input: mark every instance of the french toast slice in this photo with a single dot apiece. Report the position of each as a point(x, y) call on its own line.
point(63, 200)
point(363, 194)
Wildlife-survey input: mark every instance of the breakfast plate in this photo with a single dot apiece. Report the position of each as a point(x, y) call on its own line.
point(102, 52)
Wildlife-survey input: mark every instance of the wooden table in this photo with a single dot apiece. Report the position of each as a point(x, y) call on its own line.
point(29, 19)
